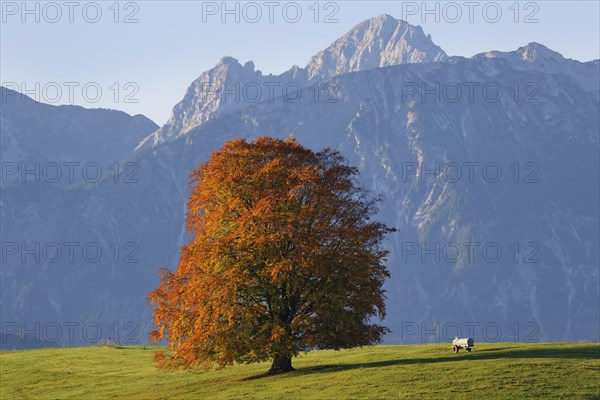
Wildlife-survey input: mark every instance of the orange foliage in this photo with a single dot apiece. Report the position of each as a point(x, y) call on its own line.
point(284, 258)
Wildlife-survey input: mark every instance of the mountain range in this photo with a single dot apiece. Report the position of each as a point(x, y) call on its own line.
point(488, 167)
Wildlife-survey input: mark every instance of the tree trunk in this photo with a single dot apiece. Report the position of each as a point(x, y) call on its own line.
point(281, 363)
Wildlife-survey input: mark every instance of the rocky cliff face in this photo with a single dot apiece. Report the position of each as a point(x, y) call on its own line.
point(378, 42)
point(488, 168)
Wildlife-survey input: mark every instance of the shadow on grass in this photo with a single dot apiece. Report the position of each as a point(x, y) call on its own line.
point(259, 376)
point(583, 352)
point(587, 352)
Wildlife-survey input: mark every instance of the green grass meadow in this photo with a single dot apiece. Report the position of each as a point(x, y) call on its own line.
point(492, 371)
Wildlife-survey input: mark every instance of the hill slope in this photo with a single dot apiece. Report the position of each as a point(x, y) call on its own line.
point(492, 371)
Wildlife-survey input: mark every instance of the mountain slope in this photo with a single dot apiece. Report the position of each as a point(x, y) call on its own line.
point(554, 142)
point(36, 133)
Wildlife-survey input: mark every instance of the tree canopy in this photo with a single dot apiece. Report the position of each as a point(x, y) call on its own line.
point(285, 257)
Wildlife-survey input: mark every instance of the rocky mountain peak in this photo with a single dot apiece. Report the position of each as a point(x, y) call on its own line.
point(532, 52)
point(377, 42)
point(214, 91)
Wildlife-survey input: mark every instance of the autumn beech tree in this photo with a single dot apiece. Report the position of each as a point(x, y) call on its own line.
point(284, 258)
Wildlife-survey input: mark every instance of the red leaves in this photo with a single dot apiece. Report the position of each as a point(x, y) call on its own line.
point(284, 258)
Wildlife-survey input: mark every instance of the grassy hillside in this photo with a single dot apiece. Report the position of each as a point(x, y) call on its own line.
point(491, 371)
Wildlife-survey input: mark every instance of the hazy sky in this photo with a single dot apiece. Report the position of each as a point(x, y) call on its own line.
point(62, 52)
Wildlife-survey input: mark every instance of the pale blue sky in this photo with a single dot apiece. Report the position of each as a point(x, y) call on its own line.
point(171, 45)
